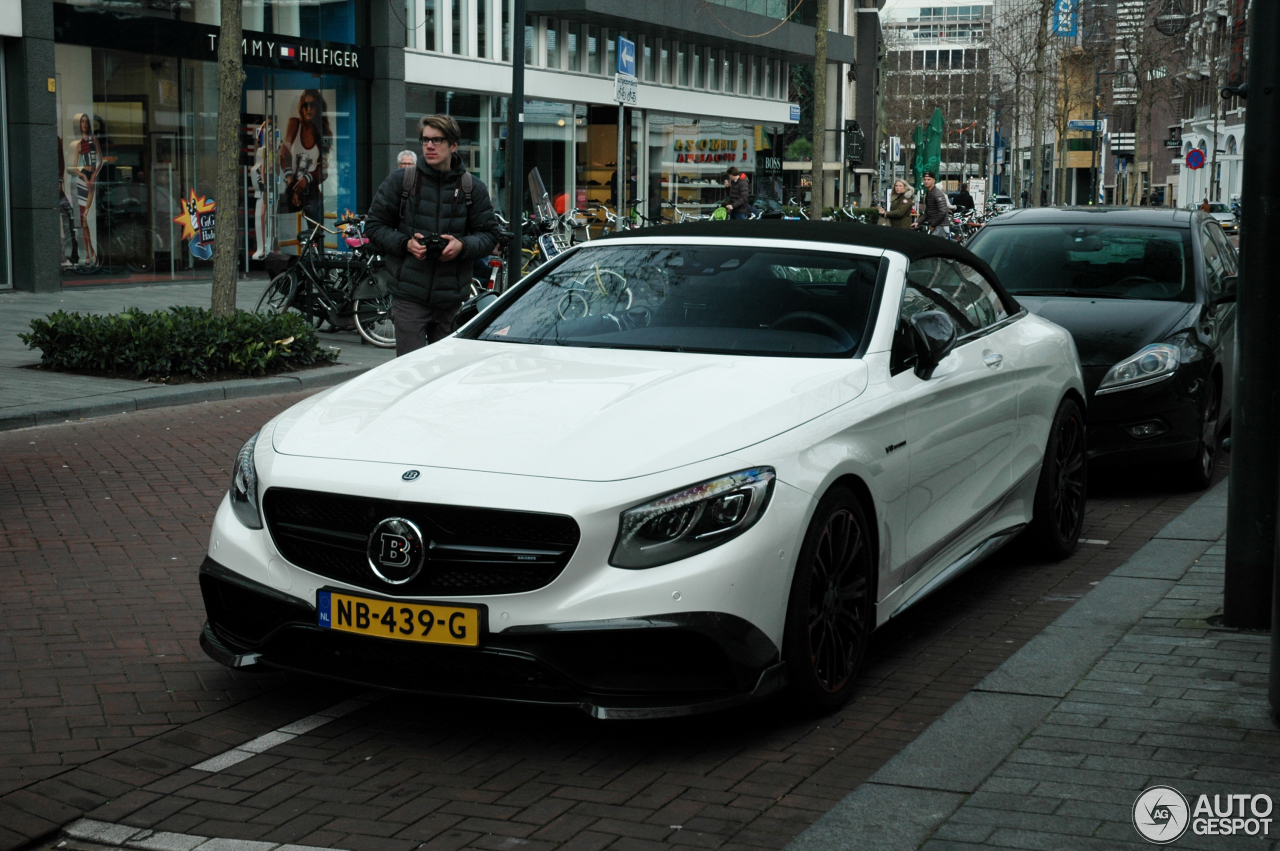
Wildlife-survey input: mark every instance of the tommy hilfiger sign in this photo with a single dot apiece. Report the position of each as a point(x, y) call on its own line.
point(164, 37)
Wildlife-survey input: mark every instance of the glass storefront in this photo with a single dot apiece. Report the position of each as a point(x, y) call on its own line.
point(137, 143)
point(688, 158)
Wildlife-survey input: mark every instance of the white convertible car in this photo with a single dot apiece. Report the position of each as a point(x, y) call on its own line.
point(665, 474)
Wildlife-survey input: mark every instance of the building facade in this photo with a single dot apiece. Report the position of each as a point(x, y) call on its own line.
point(118, 100)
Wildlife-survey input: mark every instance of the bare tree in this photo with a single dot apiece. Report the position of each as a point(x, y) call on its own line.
point(1013, 44)
point(819, 110)
point(1041, 40)
point(1143, 55)
point(230, 86)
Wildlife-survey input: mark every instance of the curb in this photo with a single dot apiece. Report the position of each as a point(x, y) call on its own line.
point(147, 398)
point(914, 793)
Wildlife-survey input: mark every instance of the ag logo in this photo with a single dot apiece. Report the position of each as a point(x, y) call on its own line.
point(1161, 814)
point(395, 550)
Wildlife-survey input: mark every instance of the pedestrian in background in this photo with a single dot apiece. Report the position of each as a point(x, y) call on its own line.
point(964, 201)
point(1024, 197)
point(937, 211)
point(406, 159)
point(738, 191)
point(429, 227)
point(900, 204)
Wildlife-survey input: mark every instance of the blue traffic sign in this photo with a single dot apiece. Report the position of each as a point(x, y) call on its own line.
point(795, 112)
point(1195, 158)
point(626, 56)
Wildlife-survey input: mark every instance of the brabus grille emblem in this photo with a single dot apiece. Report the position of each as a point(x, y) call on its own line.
point(395, 550)
point(411, 475)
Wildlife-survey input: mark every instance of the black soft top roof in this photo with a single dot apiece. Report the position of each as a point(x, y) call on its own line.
point(915, 246)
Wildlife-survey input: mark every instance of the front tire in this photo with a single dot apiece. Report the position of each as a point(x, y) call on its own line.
point(373, 321)
point(1058, 513)
point(1197, 474)
point(830, 613)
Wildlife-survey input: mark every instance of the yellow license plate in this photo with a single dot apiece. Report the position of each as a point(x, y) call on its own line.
point(431, 623)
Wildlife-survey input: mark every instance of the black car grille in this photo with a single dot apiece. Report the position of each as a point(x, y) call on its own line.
point(471, 551)
point(249, 614)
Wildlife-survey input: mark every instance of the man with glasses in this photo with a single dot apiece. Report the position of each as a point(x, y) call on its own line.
point(406, 159)
point(430, 225)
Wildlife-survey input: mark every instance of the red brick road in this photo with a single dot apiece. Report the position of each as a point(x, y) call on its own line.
point(106, 698)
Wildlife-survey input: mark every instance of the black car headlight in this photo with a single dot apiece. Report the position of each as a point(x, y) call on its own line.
point(692, 520)
point(1148, 365)
point(244, 486)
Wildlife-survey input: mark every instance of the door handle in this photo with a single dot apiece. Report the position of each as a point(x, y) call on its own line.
point(993, 359)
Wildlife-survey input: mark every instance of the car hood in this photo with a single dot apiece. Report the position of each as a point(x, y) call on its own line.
point(563, 412)
point(1107, 330)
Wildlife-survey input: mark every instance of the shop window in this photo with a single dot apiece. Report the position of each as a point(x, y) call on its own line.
point(553, 43)
point(593, 50)
point(572, 37)
point(688, 159)
point(327, 20)
point(136, 138)
point(549, 133)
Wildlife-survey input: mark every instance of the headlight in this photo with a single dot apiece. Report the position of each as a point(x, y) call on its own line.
point(1156, 362)
point(693, 520)
point(244, 486)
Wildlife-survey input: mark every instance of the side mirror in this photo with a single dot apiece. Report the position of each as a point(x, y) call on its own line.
point(934, 335)
point(473, 308)
point(1227, 294)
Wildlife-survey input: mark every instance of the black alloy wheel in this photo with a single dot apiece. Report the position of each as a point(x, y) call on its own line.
point(1197, 473)
point(830, 613)
point(1063, 487)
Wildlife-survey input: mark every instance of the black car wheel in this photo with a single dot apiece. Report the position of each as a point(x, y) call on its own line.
point(1058, 514)
point(1198, 472)
point(830, 612)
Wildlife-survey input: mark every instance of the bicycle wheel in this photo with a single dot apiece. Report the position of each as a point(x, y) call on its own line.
point(136, 248)
point(278, 295)
point(373, 321)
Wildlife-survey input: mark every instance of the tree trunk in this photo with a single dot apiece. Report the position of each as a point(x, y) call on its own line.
point(226, 185)
point(1135, 173)
point(1037, 101)
point(1015, 158)
point(819, 110)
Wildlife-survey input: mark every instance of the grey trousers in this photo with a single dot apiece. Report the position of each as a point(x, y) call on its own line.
point(418, 325)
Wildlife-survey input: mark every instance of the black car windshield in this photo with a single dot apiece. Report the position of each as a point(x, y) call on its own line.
point(1107, 262)
point(718, 299)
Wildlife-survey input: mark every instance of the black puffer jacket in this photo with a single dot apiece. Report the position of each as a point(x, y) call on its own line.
point(438, 206)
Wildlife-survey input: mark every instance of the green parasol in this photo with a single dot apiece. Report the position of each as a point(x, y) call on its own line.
point(917, 161)
point(933, 144)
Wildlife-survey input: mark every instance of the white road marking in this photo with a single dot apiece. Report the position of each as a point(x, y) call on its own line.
point(1094, 541)
point(265, 742)
point(107, 833)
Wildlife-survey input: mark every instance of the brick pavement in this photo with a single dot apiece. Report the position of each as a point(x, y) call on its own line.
point(105, 698)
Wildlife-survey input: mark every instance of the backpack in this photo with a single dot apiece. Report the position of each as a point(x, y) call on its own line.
point(411, 183)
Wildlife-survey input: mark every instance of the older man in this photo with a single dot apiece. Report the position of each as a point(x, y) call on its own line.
point(406, 159)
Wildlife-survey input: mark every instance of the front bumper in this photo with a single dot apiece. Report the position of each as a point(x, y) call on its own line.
point(641, 667)
point(1175, 405)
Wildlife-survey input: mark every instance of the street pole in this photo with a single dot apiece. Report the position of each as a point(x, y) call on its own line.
point(1093, 148)
point(1255, 453)
point(515, 147)
point(623, 182)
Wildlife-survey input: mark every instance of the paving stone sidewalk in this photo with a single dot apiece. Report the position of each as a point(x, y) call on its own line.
point(33, 397)
point(1131, 688)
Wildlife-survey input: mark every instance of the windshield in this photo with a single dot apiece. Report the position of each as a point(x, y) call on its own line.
point(1105, 262)
point(1219, 208)
point(717, 299)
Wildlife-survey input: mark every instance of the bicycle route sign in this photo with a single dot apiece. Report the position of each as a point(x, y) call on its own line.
point(625, 89)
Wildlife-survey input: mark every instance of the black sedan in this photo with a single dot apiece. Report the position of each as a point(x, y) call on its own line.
point(1149, 296)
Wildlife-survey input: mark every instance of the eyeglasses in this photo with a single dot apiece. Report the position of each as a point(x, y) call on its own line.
point(434, 141)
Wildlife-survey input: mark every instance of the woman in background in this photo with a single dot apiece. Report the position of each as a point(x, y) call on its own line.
point(899, 212)
point(302, 156)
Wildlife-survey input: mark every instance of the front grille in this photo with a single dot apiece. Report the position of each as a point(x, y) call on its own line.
point(471, 551)
point(246, 614)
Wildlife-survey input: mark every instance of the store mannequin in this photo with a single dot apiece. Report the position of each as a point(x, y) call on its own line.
point(88, 159)
point(262, 215)
point(303, 156)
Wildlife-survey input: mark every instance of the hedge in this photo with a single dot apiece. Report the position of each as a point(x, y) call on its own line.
point(182, 341)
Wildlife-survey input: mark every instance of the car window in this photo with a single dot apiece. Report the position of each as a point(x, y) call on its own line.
point(1090, 261)
point(1215, 266)
point(965, 294)
point(1230, 260)
point(707, 298)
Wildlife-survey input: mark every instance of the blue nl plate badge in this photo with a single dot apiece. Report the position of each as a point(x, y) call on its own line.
point(323, 606)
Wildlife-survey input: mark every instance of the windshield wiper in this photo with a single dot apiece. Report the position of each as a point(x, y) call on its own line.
point(1073, 293)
